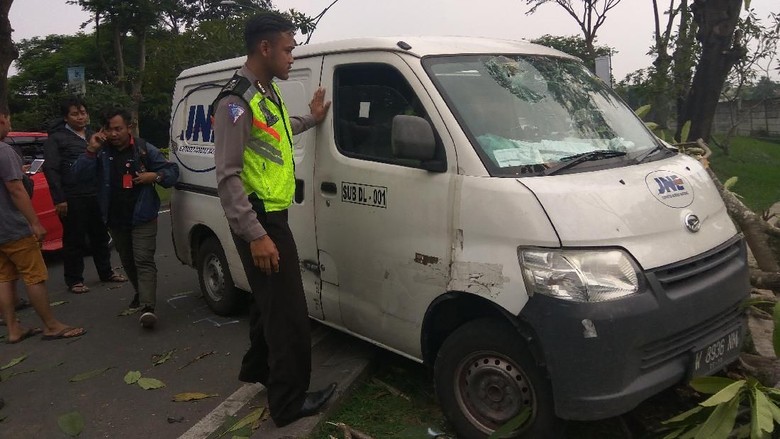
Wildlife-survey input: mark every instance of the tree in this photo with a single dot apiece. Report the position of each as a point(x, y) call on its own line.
point(8, 52)
point(575, 46)
point(721, 49)
point(589, 15)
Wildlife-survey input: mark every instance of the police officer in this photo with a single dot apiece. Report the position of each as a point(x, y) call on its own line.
point(256, 185)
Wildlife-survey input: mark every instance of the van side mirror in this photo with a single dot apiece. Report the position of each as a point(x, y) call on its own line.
point(413, 139)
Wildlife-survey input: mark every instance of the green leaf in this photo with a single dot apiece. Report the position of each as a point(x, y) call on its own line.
point(685, 131)
point(71, 423)
point(88, 375)
point(247, 420)
point(132, 377)
point(775, 411)
point(160, 359)
point(192, 396)
point(761, 415)
point(731, 182)
point(643, 110)
point(710, 385)
point(5, 376)
point(690, 434)
point(683, 416)
point(728, 393)
point(515, 423)
point(150, 383)
point(720, 422)
point(128, 312)
point(14, 362)
point(58, 303)
point(652, 126)
point(776, 332)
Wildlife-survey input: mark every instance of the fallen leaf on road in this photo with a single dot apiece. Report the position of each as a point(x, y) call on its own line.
point(150, 383)
point(132, 377)
point(172, 420)
point(88, 375)
point(128, 312)
point(198, 358)
point(247, 420)
point(159, 359)
point(5, 376)
point(58, 303)
point(2, 418)
point(14, 362)
point(192, 396)
point(71, 423)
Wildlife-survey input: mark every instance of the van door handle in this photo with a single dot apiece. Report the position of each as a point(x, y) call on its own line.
point(329, 188)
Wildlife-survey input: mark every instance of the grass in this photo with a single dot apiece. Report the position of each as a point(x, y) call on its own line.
point(373, 408)
point(756, 163)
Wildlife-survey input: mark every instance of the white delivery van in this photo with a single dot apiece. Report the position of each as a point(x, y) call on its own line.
point(493, 210)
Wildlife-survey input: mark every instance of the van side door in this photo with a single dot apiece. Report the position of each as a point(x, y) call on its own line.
point(384, 224)
point(297, 92)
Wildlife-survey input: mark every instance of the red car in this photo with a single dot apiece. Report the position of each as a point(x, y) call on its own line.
point(31, 145)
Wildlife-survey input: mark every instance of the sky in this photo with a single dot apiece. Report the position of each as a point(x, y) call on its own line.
point(628, 28)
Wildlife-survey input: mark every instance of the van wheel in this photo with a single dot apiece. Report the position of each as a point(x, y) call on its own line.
point(217, 286)
point(485, 375)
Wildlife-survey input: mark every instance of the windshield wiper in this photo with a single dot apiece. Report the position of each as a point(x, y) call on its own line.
point(658, 148)
point(573, 160)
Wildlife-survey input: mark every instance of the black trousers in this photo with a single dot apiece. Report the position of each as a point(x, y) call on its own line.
point(280, 333)
point(83, 220)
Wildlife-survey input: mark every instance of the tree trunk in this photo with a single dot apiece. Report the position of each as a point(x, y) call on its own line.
point(121, 76)
point(8, 52)
point(661, 98)
point(683, 61)
point(717, 20)
point(137, 83)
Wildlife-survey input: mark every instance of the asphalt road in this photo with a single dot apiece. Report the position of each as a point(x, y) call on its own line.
point(41, 391)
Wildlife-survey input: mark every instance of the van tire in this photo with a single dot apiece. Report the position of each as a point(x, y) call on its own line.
point(497, 360)
point(216, 283)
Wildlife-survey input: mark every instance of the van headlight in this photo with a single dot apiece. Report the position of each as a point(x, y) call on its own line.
point(579, 275)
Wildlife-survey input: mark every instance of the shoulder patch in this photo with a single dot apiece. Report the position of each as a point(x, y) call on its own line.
point(236, 111)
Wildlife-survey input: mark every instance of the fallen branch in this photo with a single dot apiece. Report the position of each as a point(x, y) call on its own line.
point(391, 389)
point(349, 432)
point(198, 358)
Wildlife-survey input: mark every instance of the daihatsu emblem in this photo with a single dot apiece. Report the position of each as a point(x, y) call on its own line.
point(692, 223)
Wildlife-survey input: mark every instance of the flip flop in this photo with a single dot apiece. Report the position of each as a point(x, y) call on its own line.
point(117, 278)
point(27, 334)
point(61, 335)
point(78, 288)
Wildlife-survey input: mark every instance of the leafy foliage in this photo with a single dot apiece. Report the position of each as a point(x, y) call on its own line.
point(717, 417)
point(575, 46)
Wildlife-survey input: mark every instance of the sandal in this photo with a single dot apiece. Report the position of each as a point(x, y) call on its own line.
point(78, 288)
point(115, 277)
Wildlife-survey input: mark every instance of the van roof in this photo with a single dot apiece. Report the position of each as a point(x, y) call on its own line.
point(420, 47)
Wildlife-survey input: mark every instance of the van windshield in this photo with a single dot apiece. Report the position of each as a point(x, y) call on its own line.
point(526, 114)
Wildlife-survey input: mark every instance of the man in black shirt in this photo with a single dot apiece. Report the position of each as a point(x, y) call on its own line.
point(76, 200)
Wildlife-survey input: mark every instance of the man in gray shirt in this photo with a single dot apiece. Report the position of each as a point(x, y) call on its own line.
point(21, 234)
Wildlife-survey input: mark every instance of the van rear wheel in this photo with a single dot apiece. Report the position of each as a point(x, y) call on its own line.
point(485, 376)
point(216, 283)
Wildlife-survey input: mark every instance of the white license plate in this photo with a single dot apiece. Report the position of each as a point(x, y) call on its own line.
point(713, 356)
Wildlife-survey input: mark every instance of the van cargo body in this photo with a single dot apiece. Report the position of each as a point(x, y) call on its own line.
point(493, 210)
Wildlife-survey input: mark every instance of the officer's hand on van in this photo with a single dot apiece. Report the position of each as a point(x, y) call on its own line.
point(265, 254)
point(96, 142)
point(318, 107)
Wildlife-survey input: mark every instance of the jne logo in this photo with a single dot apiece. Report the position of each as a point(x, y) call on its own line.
point(669, 184)
point(198, 125)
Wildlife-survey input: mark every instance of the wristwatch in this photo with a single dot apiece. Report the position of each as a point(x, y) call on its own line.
point(158, 179)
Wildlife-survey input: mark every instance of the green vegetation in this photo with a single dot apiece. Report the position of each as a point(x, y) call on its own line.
point(757, 165)
point(395, 400)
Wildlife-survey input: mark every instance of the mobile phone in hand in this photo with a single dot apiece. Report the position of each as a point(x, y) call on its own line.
point(35, 166)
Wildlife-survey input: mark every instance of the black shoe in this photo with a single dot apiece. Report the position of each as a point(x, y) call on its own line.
point(148, 319)
point(311, 404)
point(135, 303)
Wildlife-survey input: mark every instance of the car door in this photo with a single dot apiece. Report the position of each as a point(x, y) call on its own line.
point(384, 226)
point(297, 91)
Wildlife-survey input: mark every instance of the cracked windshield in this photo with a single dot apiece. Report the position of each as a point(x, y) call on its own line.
point(530, 113)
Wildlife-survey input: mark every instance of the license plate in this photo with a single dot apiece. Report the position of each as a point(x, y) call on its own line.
point(717, 354)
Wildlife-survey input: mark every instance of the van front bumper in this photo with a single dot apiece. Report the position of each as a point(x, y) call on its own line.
point(605, 358)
